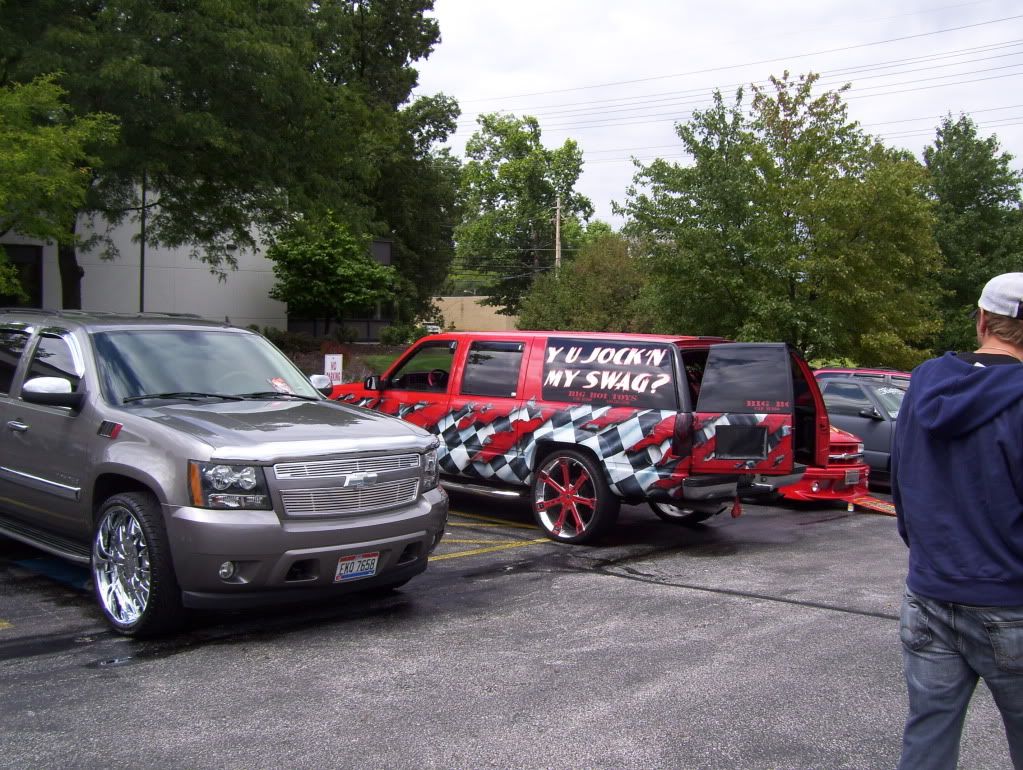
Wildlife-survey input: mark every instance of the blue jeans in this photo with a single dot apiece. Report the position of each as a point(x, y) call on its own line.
point(945, 649)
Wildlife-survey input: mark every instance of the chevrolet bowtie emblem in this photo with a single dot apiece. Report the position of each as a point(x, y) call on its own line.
point(361, 479)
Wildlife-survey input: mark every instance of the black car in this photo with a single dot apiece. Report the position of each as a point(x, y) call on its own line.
point(868, 409)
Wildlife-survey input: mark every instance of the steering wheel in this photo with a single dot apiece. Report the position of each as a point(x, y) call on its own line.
point(437, 378)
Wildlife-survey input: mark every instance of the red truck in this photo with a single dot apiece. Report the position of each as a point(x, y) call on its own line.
point(580, 422)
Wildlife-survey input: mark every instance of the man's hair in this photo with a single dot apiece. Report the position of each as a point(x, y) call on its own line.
point(1004, 328)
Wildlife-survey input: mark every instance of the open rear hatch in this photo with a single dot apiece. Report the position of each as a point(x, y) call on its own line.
point(759, 416)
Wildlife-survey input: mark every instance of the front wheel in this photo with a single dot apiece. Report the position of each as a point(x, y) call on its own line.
point(132, 574)
point(572, 502)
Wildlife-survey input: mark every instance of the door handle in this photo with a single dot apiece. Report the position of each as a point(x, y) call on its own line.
point(17, 426)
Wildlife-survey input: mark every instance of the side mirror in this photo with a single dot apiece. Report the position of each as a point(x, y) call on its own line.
point(52, 391)
point(322, 383)
point(871, 412)
point(373, 382)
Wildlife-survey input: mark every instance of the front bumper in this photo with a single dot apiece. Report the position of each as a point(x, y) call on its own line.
point(296, 559)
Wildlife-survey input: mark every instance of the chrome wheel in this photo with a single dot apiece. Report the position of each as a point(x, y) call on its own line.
point(120, 566)
point(571, 500)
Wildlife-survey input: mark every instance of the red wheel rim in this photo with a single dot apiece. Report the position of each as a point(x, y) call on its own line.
point(565, 499)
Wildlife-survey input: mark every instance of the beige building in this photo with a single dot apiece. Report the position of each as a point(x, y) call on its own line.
point(467, 314)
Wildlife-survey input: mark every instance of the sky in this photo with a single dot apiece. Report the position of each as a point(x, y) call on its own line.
point(617, 77)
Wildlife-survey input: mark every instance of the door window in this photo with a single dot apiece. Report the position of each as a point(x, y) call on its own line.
point(12, 343)
point(492, 369)
point(427, 369)
point(845, 398)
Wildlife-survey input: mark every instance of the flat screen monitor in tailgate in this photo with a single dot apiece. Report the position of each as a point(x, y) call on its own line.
point(629, 374)
point(745, 409)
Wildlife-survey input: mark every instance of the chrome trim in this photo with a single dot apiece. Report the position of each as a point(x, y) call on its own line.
point(64, 491)
point(334, 501)
point(322, 469)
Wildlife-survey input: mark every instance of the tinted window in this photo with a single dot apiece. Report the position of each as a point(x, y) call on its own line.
point(747, 379)
point(11, 345)
point(492, 369)
point(636, 374)
point(53, 358)
point(427, 369)
point(845, 398)
point(890, 397)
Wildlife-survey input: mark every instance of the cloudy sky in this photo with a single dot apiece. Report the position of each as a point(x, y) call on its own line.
point(617, 76)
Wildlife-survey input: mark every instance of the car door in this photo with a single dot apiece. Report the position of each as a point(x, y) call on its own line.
point(44, 448)
point(851, 407)
point(759, 411)
point(481, 434)
point(417, 386)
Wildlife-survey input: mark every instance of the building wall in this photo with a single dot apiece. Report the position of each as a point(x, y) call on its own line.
point(467, 314)
point(174, 283)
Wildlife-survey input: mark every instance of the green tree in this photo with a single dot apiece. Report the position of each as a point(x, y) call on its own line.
point(235, 115)
point(980, 220)
point(600, 289)
point(790, 224)
point(46, 159)
point(511, 185)
point(324, 272)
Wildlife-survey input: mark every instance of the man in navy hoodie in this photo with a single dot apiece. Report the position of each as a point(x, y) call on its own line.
point(957, 483)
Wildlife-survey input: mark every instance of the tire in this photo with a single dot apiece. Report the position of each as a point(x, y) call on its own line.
point(571, 500)
point(132, 574)
point(685, 517)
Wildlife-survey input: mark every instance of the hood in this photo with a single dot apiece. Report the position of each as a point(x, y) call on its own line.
point(953, 398)
point(275, 430)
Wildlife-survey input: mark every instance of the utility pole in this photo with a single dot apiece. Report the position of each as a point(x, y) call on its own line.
point(142, 248)
point(557, 235)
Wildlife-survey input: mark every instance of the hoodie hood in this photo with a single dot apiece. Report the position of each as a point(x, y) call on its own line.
point(953, 397)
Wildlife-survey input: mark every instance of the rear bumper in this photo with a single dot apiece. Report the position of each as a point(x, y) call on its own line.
point(279, 561)
point(718, 487)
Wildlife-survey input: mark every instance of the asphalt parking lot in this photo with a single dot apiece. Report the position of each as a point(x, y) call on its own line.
point(768, 641)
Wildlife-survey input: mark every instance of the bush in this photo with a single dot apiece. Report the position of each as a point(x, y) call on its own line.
point(292, 342)
point(401, 334)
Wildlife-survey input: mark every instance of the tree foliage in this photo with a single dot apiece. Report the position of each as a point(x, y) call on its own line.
point(46, 159)
point(323, 271)
point(509, 192)
point(600, 289)
point(980, 220)
point(235, 114)
point(790, 224)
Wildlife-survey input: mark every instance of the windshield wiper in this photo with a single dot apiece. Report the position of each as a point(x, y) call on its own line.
point(182, 394)
point(271, 394)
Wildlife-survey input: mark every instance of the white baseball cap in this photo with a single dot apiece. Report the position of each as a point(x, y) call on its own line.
point(1003, 295)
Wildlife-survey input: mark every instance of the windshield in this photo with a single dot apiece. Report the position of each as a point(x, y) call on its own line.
point(141, 362)
point(891, 397)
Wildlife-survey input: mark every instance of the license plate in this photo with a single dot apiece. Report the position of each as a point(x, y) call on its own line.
point(355, 567)
point(852, 477)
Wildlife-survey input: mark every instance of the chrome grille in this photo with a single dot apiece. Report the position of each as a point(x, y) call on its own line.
point(322, 469)
point(332, 501)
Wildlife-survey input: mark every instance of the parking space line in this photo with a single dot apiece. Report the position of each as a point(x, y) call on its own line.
point(491, 549)
point(488, 520)
point(4, 624)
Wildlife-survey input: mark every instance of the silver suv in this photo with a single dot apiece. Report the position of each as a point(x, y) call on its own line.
point(192, 465)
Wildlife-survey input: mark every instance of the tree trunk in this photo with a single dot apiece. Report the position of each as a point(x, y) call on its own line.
point(70, 273)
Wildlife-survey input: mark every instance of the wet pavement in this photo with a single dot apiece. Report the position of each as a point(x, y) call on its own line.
point(768, 641)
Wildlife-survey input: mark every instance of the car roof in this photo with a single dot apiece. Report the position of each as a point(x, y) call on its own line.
point(620, 337)
point(96, 320)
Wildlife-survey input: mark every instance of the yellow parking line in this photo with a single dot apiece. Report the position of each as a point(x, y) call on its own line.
point(490, 520)
point(4, 623)
point(477, 551)
point(477, 542)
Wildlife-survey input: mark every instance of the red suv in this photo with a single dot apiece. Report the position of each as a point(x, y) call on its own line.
point(580, 422)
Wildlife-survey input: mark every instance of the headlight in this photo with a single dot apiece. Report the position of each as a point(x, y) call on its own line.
point(218, 485)
point(431, 472)
point(859, 449)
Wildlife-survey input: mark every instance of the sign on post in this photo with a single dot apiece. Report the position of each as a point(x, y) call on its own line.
point(332, 367)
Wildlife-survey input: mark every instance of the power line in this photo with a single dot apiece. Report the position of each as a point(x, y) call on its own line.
point(752, 63)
